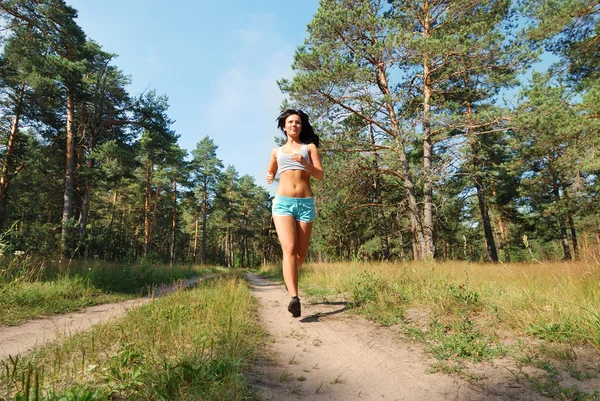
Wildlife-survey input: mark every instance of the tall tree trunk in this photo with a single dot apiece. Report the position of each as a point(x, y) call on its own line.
point(492, 253)
point(490, 244)
point(502, 229)
point(571, 224)
point(10, 148)
point(231, 248)
point(230, 253)
point(228, 235)
point(196, 220)
point(418, 237)
point(383, 234)
point(85, 209)
point(573, 234)
point(69, 180)
point(154, 219)
point(78, 191)
point(141, 218)
point(174, 221)
point(228, 246)
point(246, 242)
point(250, 256)
point(243, 240)
point(263, 251)
point(381, 222)
point(561, 220)
point(113, 207)
point(401, 238)
point(503, 237)
point(87, 190)
point(243, 251)
point(204, 219)
point(86, 201)
point(427, 151)
point(147, 201)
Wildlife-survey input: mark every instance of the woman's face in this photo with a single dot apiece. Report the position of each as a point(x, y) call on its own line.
point(293, 125)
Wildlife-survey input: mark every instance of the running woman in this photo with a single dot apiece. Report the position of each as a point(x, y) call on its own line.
point(294, 205)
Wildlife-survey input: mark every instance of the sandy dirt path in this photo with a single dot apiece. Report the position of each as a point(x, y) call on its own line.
point(328, 354)
point(25, 337)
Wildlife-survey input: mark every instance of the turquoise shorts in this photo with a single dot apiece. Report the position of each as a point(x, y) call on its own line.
point(302, 209)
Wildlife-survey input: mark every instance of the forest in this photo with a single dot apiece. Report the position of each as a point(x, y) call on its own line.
point(442, 138)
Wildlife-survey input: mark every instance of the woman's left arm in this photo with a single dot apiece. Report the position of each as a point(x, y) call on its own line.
point(314, 166)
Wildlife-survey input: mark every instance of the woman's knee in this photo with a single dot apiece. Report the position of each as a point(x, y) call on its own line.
point(289, 250)
point(300, 258)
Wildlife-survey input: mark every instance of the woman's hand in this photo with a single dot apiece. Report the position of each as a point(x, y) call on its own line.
point(272, 169)
point(297, 157)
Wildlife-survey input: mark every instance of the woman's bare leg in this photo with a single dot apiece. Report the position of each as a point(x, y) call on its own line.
point(287, 233)
point(303, 231)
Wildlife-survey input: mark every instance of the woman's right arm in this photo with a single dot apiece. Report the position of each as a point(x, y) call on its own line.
point(272, 169)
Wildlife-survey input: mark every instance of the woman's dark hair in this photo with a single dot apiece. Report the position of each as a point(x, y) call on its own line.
point(307, 134)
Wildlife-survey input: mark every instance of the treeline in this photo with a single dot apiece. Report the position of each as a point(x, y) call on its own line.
point(439, 140)
point(90, 170)
point(443, 140)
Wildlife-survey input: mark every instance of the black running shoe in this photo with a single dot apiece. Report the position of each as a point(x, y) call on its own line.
point(294, 307)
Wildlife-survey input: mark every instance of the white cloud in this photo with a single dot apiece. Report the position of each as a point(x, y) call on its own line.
point(153, 55)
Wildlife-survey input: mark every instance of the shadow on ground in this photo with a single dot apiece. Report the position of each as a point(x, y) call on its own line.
point(314, 318)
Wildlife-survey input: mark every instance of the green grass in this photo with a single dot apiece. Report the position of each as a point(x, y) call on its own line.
point(460, 340)
point(33, 288)
point(20, 301)
point(548, 359)
point(190, 345)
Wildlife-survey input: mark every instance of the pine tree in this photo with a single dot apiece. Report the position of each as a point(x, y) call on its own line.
point(53, 24)
point(156, 148)
point(547, 136)
point(206, 171)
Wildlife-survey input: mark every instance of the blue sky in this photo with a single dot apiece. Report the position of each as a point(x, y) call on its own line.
point(217, 62)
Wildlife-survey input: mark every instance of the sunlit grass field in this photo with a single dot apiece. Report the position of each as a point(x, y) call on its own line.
point(465, 313)
point(557, 301)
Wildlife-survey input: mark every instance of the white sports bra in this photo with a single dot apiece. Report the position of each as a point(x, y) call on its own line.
point(284, 163)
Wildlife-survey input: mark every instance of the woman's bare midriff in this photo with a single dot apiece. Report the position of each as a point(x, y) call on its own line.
point(294, 184)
